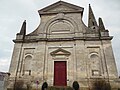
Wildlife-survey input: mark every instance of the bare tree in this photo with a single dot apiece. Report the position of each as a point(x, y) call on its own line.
point(101, 84)
point(19, 85)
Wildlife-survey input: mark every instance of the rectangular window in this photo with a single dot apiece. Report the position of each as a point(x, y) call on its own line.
point(95, 73)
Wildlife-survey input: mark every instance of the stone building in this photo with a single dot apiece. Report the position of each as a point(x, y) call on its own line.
point(3, 80)
point(63, 49)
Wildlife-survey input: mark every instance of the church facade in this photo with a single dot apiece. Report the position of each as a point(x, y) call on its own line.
point(63, 49)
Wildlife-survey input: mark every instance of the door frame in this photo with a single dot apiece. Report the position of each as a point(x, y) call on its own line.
point(65, 70)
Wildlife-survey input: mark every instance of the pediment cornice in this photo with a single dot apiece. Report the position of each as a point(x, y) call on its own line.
point(60, 51)
point(61, 6)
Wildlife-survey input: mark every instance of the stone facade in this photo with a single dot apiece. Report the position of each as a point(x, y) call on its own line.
point(62, 36)
point(3, 80)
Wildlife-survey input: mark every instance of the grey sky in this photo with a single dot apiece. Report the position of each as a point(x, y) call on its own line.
point(14, 12)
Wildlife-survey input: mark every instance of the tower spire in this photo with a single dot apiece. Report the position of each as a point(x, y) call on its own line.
point(91, 18)
point(22, 31)
point(23, 28)
point(101, 25)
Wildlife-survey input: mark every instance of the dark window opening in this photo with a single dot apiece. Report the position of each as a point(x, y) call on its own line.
point(93, 27)
point(29, 72)
point(93, 23)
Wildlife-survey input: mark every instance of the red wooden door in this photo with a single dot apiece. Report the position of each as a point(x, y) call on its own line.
point(60, 77)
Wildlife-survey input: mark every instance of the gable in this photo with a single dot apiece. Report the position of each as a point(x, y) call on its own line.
point(60, 51)
point(61, 7)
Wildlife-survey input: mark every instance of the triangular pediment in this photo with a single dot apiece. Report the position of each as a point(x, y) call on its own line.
point(61, 7)
point(60, 51)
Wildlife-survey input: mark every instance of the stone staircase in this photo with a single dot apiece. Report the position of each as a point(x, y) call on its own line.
point(59, 88)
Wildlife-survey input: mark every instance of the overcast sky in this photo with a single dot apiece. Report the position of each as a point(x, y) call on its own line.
point(14, 12)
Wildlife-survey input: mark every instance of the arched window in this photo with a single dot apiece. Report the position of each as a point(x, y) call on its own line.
point(94, 56)
point(95, 64)
point(60, 27)
point(27, 65)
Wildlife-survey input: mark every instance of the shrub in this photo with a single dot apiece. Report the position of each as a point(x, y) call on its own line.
point(45, 85)
point(75, 85)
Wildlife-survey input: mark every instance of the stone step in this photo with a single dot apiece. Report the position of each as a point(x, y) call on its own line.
point(59, 88)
